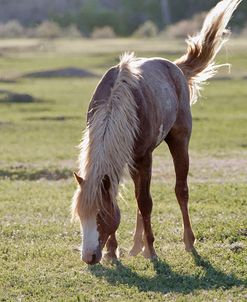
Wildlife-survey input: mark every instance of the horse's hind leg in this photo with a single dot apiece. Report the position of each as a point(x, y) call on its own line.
point(178, 142)
point(138, 240)
point(142, 177)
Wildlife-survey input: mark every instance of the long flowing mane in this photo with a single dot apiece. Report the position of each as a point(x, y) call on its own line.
point(108, 141)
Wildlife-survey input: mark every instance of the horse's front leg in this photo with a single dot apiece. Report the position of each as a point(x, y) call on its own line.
point(111, 248)
point(143, 234)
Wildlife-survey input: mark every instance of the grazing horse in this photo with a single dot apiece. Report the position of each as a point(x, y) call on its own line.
point(137, 105)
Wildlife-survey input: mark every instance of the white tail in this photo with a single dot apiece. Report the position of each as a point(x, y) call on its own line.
point(198, 63)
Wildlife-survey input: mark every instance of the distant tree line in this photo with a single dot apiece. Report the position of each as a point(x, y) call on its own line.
point(124, 17)
point(128, 15)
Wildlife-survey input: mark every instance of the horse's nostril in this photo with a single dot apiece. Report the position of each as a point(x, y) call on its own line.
point(93, 258)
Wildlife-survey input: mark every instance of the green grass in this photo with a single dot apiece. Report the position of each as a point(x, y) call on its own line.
point(37, 241)
point(38, 155)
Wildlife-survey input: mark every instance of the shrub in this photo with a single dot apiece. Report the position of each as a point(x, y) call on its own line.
point(105, 32)
point(184, 28)
point(49, 30)
point(11, 29)
point(146, 30)
point(72, 31)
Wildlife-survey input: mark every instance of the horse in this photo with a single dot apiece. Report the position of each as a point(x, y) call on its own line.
point(138, 104)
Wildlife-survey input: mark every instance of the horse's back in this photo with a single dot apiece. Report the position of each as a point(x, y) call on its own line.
point(161, 97)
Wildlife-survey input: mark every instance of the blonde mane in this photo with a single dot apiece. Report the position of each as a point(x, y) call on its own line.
point(108, 141)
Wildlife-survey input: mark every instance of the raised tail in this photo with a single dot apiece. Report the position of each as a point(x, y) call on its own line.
point(198, 63)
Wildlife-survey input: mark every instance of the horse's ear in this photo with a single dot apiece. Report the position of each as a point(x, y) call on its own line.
point(78, 178)
point(106, 183)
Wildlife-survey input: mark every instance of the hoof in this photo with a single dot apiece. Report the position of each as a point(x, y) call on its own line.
point(190, 248)
point(135, 250)
point(110, 257)
point(189, 240)
point(146, 254)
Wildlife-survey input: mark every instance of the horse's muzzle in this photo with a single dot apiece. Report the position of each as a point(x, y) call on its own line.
point(92, 258)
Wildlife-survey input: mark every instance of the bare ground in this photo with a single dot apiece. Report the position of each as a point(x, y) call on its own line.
point(204, 169)
point(68, 72)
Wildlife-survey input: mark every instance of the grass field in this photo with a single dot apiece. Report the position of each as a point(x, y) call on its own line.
point(38, 153)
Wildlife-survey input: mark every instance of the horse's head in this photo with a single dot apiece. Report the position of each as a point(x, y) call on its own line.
point(100, 224)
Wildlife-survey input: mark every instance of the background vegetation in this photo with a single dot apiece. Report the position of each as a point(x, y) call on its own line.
point(124, 17)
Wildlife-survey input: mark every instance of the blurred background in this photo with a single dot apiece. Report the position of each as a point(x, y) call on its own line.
point(107, 18)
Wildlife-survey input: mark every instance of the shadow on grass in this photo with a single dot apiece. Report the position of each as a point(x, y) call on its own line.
point(166, 280)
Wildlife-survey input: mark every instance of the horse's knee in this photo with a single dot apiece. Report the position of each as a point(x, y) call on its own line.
point(145, 205)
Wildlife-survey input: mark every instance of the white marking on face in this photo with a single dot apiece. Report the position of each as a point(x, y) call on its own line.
point(90, 236)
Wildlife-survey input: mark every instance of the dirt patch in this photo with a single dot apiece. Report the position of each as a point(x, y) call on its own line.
point(204, 169)
point(69, 72)
point(24, 172)
point(5, 124)
point(8, 81)
point(59, 118)
point(20, 45)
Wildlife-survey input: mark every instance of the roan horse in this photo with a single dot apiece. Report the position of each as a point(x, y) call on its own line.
point(138, 104)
